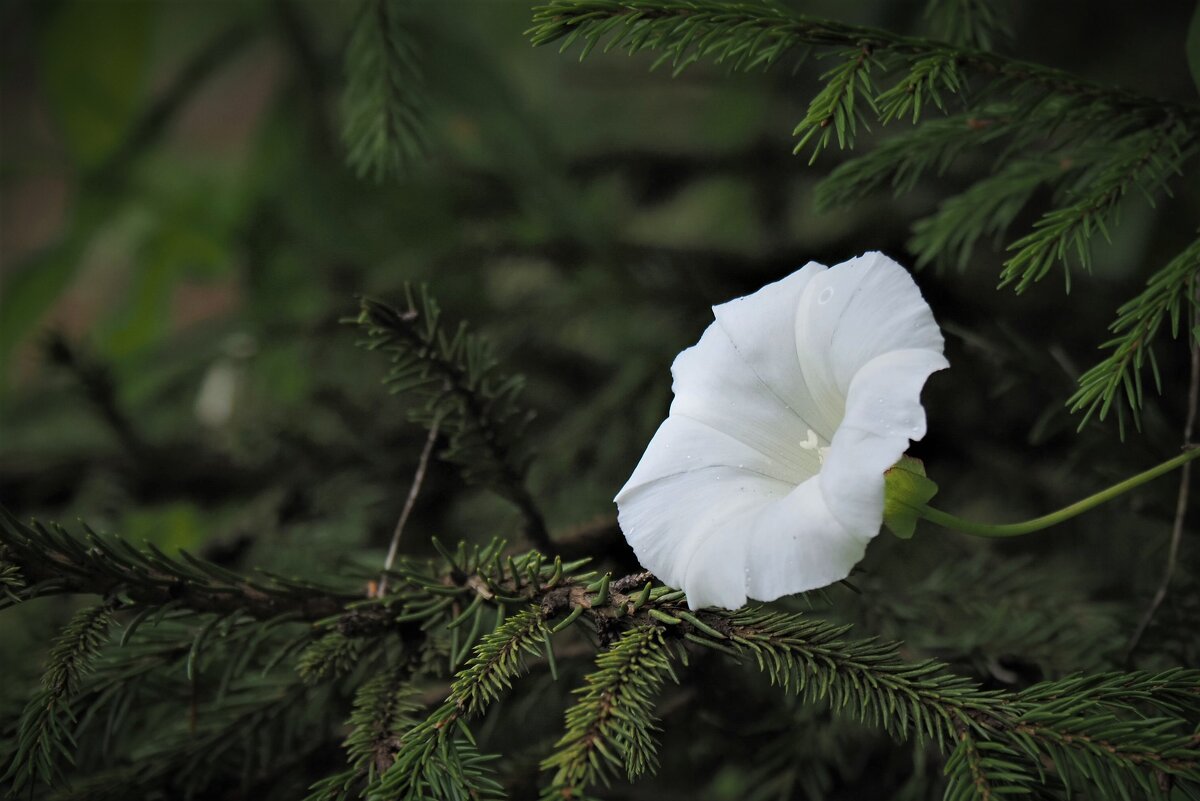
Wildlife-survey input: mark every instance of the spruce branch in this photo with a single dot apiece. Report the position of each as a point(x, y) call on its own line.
point(1118, 733)
point(987, 209)
point(1144, 160)
point(745, 36)
point(384, 708)
point(927, 79)
point(834, 111)
point(384, 103)
point(45, 742)
point(329, 657)
point(611, 727)
point(438, 756)
point(456, 377)
point(54, 561)
point(972, 23)
point(499, 658)
point(901, 161)
point(1169, 297)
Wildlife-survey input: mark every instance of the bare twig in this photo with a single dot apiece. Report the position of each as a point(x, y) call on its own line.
point(409, 502)
point(1185, 476)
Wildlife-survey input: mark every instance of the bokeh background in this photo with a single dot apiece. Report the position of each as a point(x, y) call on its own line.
point(181, 238)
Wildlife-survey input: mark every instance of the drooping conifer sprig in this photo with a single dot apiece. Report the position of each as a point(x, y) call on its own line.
point(438, 756)
point(45, 738)
point(611, 728)
point(384, 103)
point(456, 378)
point(384, 708)
point(1168, 297)
point(1143, 160)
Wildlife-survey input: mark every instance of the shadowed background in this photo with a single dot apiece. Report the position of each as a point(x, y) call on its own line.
point(180, 236)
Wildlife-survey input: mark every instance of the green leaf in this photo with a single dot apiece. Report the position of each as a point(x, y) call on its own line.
point(95, 67)
point(906, 489)
point(1193, 47)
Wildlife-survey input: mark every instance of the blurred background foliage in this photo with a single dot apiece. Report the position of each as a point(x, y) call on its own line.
point(184, 227)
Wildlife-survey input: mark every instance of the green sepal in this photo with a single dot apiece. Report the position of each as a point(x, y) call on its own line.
point(906, 489)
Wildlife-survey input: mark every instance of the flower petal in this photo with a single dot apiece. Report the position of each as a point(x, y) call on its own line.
point(725, 387)
point(852, 313)
point(692, 529)
point(883, 413)
point(760, 327)
point(797, 544)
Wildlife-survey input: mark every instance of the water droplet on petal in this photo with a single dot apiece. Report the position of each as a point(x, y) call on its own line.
point(825, 296)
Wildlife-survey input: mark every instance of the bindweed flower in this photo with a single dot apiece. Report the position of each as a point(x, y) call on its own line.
point(767, 477)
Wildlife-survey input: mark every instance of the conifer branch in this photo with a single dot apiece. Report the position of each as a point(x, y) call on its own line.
point(1115, 732)
point(1168, 298)
point(438, 756)
point(46, 738)
point(456, 377)
point(1145, 160)
point(987, 209)
point(53, 561)
point(384, 101)
point(901, 161)
point(834, 111)
point(747, 36)
point(498, 659)
point(611, 727)
point(384, 708)
point(329, 657)
point(972, 23)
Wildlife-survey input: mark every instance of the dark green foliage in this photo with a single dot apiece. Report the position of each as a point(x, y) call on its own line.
point(586, 222)
point(462, 392)
point(1093, 144)
point(498, 661)
point(834, 111)
point(384, 102)
point(1170, 296)
point(1144, 160)
point(329, 657)
point(54, 562)
point(974, 23)
point(384, 709)
point(1116, 732)
point(45, 737)
point(611, 727)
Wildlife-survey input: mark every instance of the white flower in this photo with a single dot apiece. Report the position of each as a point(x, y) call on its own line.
point(767, 477)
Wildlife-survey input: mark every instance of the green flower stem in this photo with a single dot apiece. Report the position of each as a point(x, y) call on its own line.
point(945, 520)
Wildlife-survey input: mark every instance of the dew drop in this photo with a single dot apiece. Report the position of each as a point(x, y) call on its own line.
point(825, 296)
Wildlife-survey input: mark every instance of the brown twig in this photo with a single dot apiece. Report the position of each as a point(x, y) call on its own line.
point(409, 502)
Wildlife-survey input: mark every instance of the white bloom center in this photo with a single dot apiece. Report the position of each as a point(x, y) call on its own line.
point(811, 443)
